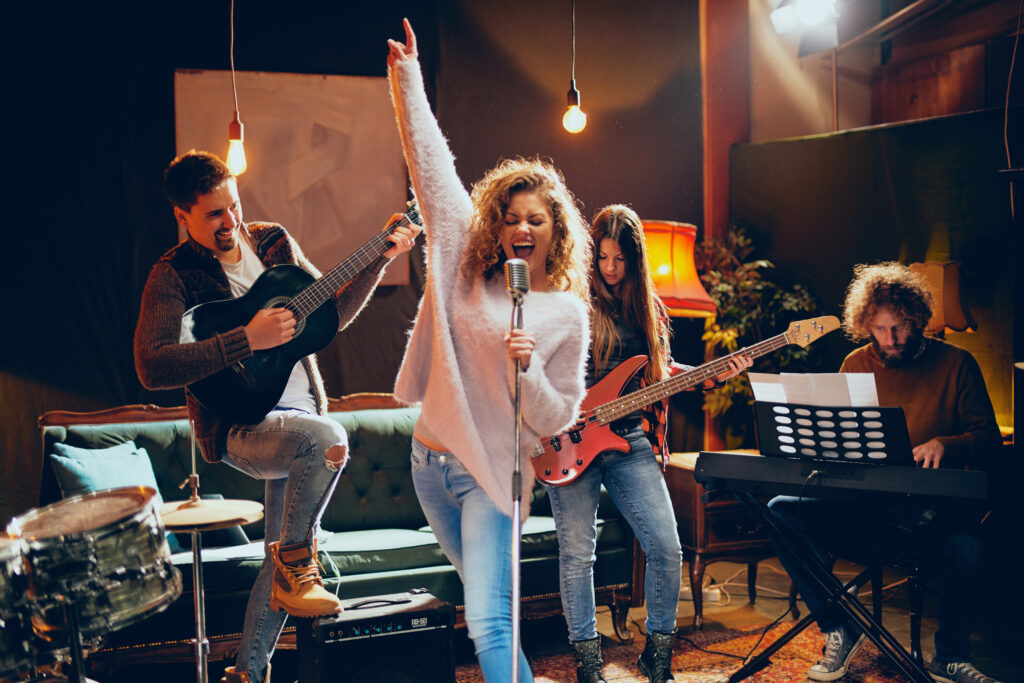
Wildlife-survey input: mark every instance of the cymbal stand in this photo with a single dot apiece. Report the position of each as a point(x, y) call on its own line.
point(77, 673)
point(198, 593)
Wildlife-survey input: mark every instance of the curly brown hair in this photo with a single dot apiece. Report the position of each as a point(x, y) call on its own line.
point(569, 255)
point(891, 285)
point(637, 303)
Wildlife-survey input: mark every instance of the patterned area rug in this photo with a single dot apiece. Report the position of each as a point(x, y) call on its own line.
point(712, 656)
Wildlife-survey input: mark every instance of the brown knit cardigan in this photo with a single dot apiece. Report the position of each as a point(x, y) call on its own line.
point(188, 275)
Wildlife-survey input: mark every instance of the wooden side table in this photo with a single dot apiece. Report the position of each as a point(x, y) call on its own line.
point(721, 530)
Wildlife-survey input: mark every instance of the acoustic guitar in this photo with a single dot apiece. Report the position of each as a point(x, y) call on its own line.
point(560, 459)
point(245, 392)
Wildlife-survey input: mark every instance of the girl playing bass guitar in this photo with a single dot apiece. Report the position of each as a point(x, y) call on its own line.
point(627, 320)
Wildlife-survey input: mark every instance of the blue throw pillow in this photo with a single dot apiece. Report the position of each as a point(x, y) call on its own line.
point(83, 470)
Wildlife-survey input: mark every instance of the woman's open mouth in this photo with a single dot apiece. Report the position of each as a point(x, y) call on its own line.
point(523, 250)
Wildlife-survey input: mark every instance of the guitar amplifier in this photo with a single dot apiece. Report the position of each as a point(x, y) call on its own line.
point(397, 638)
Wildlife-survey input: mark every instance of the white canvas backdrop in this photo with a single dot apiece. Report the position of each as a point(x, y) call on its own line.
point(324, 158)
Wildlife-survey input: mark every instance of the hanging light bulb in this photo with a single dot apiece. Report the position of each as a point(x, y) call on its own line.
point(574, 120)
point(236, 149)
point(236, 131)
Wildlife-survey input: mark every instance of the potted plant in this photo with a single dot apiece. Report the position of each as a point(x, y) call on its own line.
point(752, 307)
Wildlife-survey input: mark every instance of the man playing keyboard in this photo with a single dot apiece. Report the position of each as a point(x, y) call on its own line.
point(951, 424)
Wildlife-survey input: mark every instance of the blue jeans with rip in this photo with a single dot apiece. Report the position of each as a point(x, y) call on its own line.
point(637, 487)
point(845, 525)
point(288, 449)
point(477, 539)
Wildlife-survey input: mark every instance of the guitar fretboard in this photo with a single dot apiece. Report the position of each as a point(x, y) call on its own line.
point(630, 403)
point(313, 296)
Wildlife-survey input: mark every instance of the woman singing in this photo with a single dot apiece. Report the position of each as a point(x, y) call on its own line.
point(459, 363)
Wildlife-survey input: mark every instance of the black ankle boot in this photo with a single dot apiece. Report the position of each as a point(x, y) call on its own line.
point(656, 660)
point(588, 661)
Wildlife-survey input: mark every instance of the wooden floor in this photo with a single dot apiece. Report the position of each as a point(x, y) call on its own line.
point(997, 636)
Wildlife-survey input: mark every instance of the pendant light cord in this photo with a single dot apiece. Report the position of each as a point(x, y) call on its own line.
point(234, 89)
point(572, 38)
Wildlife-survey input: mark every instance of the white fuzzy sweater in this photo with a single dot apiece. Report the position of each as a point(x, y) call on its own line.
point(456, 363)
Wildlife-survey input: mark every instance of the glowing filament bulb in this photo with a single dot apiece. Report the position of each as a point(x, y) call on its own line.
point(574, 120)
point(236, 150)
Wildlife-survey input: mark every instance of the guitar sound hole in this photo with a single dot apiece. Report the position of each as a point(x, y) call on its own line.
point(285, 302)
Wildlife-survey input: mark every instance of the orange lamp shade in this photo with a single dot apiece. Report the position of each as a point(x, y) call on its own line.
point(670, 252)
point(948, 311)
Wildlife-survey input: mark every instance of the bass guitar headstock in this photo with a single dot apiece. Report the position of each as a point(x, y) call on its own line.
point(805, 332)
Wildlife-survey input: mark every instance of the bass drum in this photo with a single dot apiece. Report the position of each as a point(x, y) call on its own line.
point(106, 552)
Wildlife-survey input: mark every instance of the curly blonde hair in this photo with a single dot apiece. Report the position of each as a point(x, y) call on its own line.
point(637, 304)
point(891, 285)
point(569, 255)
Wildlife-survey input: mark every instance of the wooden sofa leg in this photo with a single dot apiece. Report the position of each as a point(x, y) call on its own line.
point(697, 590)
point(620, 617)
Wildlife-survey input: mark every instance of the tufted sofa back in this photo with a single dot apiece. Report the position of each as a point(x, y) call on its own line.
point(375, 490)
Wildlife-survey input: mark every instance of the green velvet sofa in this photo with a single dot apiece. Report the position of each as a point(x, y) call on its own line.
point(377, 540)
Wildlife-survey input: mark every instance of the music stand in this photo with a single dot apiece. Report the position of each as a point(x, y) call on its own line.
point(867, 435)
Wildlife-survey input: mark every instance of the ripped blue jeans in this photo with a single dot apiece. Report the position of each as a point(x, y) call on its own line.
point(289, 450)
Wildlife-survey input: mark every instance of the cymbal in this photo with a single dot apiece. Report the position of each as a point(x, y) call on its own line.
point(207, 514)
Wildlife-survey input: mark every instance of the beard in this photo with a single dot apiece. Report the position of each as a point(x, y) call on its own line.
point(225, 242)
point(899, 355)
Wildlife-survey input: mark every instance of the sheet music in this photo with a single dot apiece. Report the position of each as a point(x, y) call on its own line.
point(819, 389)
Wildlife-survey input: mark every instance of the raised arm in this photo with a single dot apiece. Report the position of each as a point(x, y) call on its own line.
point(443, 201)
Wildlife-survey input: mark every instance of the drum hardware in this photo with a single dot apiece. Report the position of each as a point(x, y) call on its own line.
point(91, 564)
point(195, 516)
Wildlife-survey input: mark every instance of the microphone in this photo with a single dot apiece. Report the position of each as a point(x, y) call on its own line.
point(517, 278)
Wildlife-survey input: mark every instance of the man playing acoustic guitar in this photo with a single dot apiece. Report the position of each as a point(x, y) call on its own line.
point(294, 447)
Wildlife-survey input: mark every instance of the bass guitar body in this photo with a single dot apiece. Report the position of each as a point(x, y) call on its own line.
point(245, 392)
point(559, 459)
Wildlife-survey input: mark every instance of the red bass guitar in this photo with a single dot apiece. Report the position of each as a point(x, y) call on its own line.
point(559, 459)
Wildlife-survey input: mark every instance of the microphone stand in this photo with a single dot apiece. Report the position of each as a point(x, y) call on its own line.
point(517, 494)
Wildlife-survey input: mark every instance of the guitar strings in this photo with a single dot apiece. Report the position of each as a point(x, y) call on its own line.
point(624, 405)
point(313, 296)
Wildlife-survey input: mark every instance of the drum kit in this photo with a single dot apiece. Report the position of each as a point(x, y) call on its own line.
point(77, 569)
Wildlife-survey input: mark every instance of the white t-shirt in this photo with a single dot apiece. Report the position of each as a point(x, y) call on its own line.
point(297, 393)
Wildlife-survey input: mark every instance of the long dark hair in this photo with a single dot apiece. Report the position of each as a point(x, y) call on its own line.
point(636, 304)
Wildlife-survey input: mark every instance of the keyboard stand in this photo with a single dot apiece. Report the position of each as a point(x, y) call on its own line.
point(837, 595)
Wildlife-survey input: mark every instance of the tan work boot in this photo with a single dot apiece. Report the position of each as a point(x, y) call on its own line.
point(297, 587)
point(232, 676)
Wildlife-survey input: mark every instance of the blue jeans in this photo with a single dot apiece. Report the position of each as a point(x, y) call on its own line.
point(288, 449)
point(848, 525)
point(477, 539)
point(638, 489)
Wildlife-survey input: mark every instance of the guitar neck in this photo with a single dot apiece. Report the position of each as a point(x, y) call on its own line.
point(630, 403)
point(311, 298)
